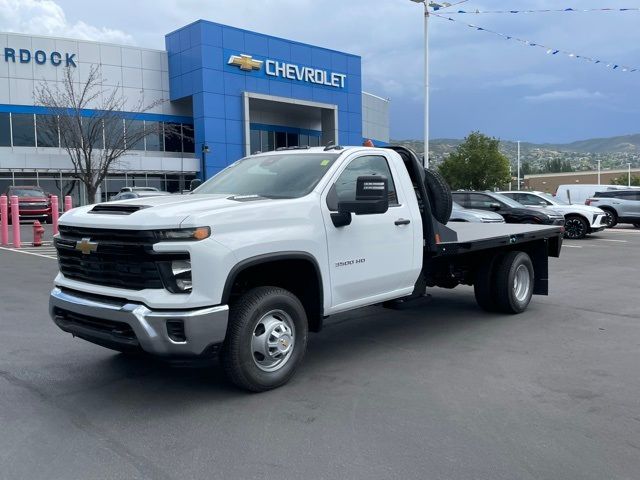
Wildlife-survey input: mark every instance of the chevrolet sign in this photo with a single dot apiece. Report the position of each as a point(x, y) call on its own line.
point(290, 71)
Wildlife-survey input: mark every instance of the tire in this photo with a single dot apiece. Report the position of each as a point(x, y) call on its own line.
point(575, 227)
point(483, 285)
point(610, 217)
point(439, 195)
point(513, 282)
point(266, 319)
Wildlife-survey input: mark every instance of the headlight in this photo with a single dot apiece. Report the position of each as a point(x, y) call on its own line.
point(199, 233)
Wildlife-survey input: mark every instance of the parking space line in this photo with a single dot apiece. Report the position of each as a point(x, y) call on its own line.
point(610, 240)
point(571, 246)
point(26, 252)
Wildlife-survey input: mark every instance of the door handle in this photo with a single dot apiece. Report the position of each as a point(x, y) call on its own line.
point(402, 221)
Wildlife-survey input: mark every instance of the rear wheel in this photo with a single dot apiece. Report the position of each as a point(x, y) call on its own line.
point(514, 280)
point(483, 285)
point(266, 339)
point(610, 218)
point(575, 227)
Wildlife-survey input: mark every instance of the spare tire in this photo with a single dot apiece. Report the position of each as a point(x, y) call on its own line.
point(439, 195)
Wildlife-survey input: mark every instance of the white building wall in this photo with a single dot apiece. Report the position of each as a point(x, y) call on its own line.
point(375, 117)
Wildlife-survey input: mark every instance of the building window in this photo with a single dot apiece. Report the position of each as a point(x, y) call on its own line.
point(314, 141)
point(187, 139)
point(134, 135)
point(47, 131)
point(256, 145)
point(5, 130)
point(92, 131)
point(24, 133)
point(153, 136)
point(268, 141)
point(172, 137)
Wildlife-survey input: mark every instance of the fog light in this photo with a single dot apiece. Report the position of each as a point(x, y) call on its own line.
point(181, 270)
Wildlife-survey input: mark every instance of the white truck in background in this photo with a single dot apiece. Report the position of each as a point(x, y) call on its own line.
point(259, 255)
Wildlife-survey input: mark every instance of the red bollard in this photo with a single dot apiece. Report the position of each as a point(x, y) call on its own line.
point(4, 221)
point(68, 203)
point(15, 221)
point(54, 213)
point(38, 232)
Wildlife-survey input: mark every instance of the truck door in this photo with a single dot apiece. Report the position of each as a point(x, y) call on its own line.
point(373, 257)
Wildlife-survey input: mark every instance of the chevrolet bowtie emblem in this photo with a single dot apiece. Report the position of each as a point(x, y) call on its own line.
point(86, 246)
point(245, 62)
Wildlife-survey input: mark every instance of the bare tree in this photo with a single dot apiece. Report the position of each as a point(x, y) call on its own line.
point(93, 125)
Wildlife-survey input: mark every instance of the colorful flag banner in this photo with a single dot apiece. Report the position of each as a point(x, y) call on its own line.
point(549, 50)
point(550, 10)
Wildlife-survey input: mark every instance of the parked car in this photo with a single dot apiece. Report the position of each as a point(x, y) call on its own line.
point(577, 193)
point(620, 206)
point(461, 214)
point(138, 194)
point(579, 220)
point(509, 209)
point(138, 189)
point(33, 202)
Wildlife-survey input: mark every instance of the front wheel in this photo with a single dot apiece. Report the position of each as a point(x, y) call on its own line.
point(575, 228)
point(266, 339)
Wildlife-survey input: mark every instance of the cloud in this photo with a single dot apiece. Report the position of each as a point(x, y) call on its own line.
point(46, 17)
point(531, 80)
point(560, 95)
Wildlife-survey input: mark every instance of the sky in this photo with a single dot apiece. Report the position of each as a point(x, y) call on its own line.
point(478, 81)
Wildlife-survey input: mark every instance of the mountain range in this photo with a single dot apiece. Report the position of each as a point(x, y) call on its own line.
point(612, 152)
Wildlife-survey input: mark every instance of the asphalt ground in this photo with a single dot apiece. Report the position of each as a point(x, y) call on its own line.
point(444, 391)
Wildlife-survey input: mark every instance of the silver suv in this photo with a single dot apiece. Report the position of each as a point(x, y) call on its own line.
point(620, 206)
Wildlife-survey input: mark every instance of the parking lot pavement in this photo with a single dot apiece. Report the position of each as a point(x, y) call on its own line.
point(441, 392)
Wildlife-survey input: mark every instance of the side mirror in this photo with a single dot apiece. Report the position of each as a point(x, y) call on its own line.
point(372, 197)
point(195, 183)
point(495, 206)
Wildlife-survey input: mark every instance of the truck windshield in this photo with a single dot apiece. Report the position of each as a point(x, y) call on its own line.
point(286, 175)
point(27, 192)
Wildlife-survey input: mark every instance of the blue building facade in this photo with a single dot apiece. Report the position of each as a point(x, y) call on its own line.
point(250, 91)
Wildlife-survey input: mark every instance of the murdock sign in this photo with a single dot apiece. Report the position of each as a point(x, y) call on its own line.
point(40, 57)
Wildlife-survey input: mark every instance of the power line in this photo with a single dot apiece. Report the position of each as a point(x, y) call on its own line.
point(549, 50)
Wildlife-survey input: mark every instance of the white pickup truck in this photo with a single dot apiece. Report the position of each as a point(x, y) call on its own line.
point(256, 257)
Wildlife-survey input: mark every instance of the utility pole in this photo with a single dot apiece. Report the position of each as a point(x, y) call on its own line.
point(629, 181)
point(518, 164)
point(598, 171)
point(426, 81)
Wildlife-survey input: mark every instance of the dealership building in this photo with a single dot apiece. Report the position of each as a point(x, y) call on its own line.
point(222, 92)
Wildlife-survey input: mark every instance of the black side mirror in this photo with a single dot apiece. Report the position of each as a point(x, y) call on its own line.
point(495, 206)
point(372, 197)
point(195, 183)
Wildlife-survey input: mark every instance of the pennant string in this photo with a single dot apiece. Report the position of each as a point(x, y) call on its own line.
point(547, 10)
point(548, 50)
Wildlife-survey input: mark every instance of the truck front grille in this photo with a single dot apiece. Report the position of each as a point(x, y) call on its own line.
point(113, 258)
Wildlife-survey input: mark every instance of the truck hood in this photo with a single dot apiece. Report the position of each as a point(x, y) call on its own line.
point(156, 212)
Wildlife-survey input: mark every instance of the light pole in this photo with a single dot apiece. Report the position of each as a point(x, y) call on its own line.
point(598, 172)
point(426, 80)
point(518, 164)
point(629, 176)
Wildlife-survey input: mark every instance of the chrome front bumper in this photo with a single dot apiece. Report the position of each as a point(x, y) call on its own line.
point(123, 325)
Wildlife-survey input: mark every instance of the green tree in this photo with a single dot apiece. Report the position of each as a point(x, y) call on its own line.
point(476, 164)
point(624, 180)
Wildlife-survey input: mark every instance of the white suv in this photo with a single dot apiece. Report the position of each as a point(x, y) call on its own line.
point(580, 220)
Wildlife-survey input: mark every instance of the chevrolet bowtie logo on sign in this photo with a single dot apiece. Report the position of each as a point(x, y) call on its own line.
point(290, 71)
point(245, 62)
point(86, 246)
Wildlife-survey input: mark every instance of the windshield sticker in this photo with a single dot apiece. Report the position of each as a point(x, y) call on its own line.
point(324, 163)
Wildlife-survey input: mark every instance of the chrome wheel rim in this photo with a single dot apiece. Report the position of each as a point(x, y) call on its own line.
point(273, 340)
point(521, 283)
point(574, 228)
